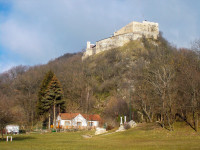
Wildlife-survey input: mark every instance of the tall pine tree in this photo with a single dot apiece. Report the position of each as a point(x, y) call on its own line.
point(47, 79)
point(53, 98)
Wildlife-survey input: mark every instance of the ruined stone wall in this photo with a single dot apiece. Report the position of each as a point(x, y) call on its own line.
point(127, 29)
point(88, 52)
point(148, 29)
point(115, 41)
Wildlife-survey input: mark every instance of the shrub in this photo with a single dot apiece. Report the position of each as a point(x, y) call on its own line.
point(127, 126)
point(22, 131)
point(109, 127)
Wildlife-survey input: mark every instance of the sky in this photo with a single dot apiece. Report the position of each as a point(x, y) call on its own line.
point(33, 32)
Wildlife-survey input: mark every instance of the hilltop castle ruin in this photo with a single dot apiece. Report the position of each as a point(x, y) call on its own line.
point(132, 31)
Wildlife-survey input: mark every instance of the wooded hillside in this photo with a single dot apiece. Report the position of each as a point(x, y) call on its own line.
point(145, 80)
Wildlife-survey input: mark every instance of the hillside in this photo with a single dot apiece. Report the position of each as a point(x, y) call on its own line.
point(143, 79)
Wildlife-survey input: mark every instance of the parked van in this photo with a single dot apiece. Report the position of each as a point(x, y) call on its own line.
point(13, 129)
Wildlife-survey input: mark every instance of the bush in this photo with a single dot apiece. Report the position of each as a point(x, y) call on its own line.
point(127, 126)
point(22, 131)
point(109, 127)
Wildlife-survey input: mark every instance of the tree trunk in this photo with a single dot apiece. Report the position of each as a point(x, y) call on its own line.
point(59, 109)
point(162, 120)
point(168, 120)
point(193, 117)
point(142, 118)
point(163, 110)
point(150, 120)
point(49, 122)
point(32, 120)
point(2, 134)
point(54, 115)
point(152, 117)
point(196, 122)
point(87, 99)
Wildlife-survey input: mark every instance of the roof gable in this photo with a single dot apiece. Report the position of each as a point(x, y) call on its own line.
point(79, 117)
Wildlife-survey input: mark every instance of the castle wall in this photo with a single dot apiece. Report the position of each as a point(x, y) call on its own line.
point(115, 41)
point(148, 29)
point(88, 52)
point(127, 29)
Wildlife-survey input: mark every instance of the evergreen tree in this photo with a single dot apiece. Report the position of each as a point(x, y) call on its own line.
point(47, 79)
point(53, 98)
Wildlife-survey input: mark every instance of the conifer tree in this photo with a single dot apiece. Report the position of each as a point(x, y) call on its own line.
point(53, 98)
point(47, 79)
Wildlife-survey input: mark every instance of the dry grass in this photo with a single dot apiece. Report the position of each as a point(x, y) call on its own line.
point(145, 136)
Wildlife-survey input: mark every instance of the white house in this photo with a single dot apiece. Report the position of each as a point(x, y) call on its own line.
point(12, 129)
point(77, 120)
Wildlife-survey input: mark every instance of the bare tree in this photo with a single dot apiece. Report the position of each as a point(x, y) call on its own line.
point(6, 116)
point(189, 85)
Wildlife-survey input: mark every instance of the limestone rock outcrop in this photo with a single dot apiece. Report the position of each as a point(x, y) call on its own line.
point(100, 131)
point(132, 124)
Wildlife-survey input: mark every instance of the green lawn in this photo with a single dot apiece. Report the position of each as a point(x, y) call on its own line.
point(145, 136)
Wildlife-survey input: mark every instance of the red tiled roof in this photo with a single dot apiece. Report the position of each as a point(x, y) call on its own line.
point(94, 117)
point(70, 116)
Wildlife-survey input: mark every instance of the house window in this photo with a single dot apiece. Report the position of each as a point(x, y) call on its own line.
point(67, 123)
point(79, 124)
point(90, 124)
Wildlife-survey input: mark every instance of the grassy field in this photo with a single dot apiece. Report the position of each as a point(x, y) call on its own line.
point(145, 136)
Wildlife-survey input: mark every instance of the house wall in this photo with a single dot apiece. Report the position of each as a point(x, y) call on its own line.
point(73, 122)
point(62, 122)
point(79, 118)
point(95, 123)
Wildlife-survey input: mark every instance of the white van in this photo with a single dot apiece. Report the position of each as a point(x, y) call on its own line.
point(12, 129)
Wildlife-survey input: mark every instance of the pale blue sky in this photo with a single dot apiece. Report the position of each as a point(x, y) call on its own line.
point(36, 31)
